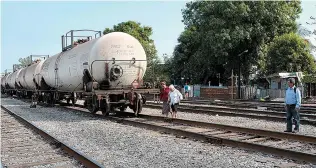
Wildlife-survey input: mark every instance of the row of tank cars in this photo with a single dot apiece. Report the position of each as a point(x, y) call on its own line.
point(104, 71)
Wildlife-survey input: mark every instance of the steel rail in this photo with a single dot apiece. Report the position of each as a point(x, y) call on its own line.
point(86, 161)
point(295, 155)
point(234, 114)
point(246, 104)
point(276, 113)
point(274, 134)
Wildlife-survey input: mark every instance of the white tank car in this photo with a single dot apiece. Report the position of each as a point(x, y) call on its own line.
point(17, 75)
point(12, 78)
point(71, 64)
point(31, 73)
point(37, 73)
point(20, 79)
point(3, 81)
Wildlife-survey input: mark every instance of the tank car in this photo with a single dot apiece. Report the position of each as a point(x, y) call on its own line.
point(28, 79)
point(106, 71)
point(2, 86)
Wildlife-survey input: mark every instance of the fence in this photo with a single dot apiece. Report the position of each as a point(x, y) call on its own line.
point(275, 93)
point(224, 92)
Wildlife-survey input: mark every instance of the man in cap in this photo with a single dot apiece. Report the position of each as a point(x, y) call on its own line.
point(292, 106)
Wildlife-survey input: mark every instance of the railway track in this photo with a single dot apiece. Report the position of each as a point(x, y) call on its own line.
point(269, 106)
point(249, 113)
point(25, 145)
point(294, 146)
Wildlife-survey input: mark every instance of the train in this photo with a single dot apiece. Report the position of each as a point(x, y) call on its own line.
point(106, 71)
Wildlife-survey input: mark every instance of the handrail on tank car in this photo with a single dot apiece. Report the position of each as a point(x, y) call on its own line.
point(6, 71)
point(36, 56)
point(66, 47)
point(16, 67)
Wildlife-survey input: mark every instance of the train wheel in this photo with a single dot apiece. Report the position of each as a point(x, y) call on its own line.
point(106, 111)
point(123, 108)
point(68, 101)
point(73, 101)
point(138, 106)
point(93, 106)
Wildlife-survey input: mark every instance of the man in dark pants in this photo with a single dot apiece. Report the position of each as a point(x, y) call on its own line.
point(292, 106)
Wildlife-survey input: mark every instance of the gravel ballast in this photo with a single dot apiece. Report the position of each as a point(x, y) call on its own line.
point(116, 145)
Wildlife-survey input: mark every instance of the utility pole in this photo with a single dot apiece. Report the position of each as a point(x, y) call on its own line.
point(219, 78)
point(239, 74)
point(232, 83)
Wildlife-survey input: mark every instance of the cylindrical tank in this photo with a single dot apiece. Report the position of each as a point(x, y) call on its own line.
point(6, 79)
point(71, 64)
point(29, 76)
point(37, 73)
point(3, 81)
point(20, 79)
point(16, 76)
point(11, 81)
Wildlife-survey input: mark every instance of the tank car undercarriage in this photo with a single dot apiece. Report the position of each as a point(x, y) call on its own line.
point(105, 101)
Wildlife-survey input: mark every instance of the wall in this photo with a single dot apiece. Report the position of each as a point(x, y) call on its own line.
point(217, 93)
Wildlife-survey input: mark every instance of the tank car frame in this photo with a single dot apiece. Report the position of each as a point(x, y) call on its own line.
point(96, 96)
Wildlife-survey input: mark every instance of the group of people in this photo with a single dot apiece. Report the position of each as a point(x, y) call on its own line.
point(170, 97)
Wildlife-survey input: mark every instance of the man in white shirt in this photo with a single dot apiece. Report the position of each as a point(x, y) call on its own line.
point(174, 98)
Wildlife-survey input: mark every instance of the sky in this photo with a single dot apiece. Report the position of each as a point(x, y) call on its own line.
point(36, 27)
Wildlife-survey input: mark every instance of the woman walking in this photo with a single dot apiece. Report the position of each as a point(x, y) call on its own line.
point(174, 100)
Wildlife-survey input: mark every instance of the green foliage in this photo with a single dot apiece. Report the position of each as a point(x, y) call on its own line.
point(309, 79)
point(290, 53)
point(24, 62)
point(218, 31)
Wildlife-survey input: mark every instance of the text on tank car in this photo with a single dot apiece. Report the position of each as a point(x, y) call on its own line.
point(123, 52)
point(72, 56)
point(115, 46)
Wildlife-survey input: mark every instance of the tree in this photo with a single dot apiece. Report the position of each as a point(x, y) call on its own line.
point(224, 29)
point(142, 34)
point(289, 53)
point(24, 62)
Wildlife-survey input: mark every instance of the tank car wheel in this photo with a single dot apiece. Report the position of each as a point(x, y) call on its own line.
point(138, 106)
point(68, 101)
point(73, 101)
point(106, 111)
point(123, 108)
point(93, 106)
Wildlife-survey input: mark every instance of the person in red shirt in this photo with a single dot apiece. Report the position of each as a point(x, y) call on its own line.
point(164, 98)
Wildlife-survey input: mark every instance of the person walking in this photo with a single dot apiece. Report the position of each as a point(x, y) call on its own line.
point(292, 102)
point(186, 91)
point(174, 100)
point(164, 98)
